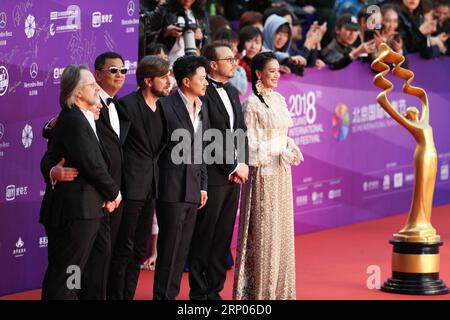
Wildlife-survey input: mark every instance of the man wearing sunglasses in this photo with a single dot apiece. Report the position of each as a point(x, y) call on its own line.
point(113, 126)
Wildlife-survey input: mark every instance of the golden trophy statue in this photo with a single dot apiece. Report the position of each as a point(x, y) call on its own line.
point(415, 258)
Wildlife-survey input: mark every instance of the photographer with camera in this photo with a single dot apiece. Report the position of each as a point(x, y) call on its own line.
point(181, 25)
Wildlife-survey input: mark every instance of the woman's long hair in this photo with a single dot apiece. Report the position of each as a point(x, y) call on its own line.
point(259, 62)
point(198, 8)
point(423, 7)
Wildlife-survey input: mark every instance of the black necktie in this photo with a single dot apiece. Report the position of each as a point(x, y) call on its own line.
point(113, 100)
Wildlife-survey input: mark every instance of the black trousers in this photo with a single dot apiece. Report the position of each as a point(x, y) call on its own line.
point(69, 248)
point(95, 276)
point(210, 246)
point(131, 247)
point(176, 222)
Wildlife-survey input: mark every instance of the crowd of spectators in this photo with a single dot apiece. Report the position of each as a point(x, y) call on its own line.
point(301, 33)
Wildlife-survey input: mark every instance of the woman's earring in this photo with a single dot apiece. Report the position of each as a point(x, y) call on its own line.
point(259, 86)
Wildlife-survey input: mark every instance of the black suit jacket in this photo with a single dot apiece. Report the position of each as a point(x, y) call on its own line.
point(181, 182)
point(141, 172)
point(219, 119)
point(74, 140)
point(112, 143)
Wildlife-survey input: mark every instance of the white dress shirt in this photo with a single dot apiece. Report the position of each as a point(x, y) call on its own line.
point(113, 115)
point(193, 110)
point(90, 118)
point(226, 102)
point(194, 113)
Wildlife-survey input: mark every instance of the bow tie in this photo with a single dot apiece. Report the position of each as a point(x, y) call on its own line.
point(113, 100)
point(219, 84)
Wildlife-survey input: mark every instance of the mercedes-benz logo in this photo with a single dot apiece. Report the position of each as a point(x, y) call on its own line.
point(2, 20)
point(34, 70)
point(131, 7)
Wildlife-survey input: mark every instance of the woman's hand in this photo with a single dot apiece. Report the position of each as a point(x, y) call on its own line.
point(285, 69)
point(298, 60)
point(428, 27)
point(320, 64)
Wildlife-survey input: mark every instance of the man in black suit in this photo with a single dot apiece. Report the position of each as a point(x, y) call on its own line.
point(215, 223)
point(112, 128)
point(146, 140)
point(183, 179)
point(72, 212)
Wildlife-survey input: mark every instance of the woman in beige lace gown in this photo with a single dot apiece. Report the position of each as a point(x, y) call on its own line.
point(265, 261)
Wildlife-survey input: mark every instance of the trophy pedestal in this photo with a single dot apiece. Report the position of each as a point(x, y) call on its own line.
point(415, 269)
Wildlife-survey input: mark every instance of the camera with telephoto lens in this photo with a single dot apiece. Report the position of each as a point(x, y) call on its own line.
point(188, 30)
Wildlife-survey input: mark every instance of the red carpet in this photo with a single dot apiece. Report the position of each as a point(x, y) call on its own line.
point(332, 264)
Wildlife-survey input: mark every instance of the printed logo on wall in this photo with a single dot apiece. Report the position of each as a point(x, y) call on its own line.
point(3, 144)
point(13, 192)
point(444, 172)
point(3, 20)
point(27, 136)
point(130, 8)
point(20, 249)
point(386, 182)
point(57, 73)
point(4, 80)
point(10, 192)
point(340, 121)
point(98, 19)
point(30, 26)
point(34, 70)
point(72, 15)
point(131, 66)
point(43, 242)
point(398, 180)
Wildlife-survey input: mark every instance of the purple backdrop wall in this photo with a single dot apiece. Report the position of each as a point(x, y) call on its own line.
point(358, 162)
point(37, 40)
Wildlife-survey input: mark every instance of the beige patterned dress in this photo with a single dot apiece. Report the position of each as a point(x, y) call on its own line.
point(265, 261)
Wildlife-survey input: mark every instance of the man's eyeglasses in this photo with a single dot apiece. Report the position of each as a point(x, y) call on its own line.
point(114, 70)
point(231, 60)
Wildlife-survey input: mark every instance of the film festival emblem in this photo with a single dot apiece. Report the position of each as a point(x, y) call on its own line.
point(415, 257)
